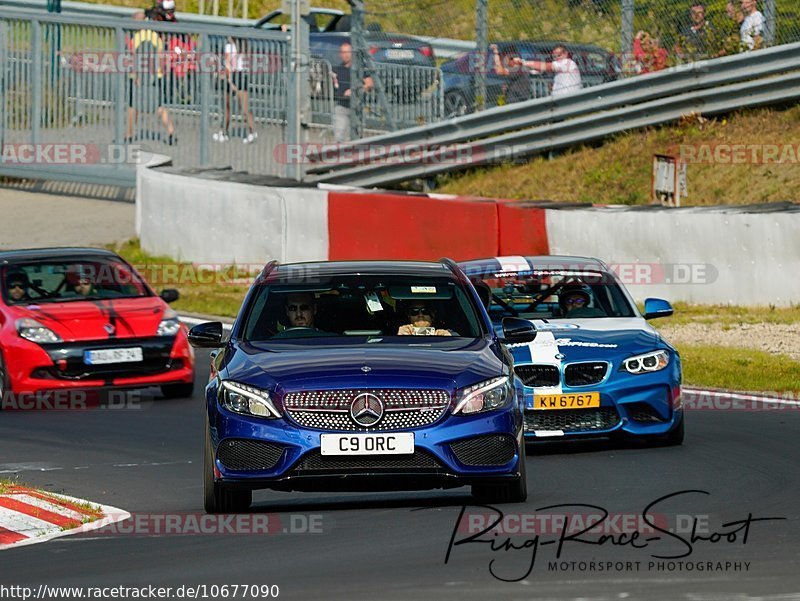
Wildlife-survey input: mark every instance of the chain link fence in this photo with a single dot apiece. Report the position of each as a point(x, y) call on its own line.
point(606, 39)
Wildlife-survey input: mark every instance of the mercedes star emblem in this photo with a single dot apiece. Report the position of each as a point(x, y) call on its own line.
point(366, 410)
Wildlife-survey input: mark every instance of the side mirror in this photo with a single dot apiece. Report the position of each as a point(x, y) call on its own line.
point(206, 335)
point(518, 330)
point(657, 307)
point(170, 295)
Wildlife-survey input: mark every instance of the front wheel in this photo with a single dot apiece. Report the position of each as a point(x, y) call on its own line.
point(515, 491)
point(455, 105)
point(674, 437)
point(5, 383)
point(217, 498)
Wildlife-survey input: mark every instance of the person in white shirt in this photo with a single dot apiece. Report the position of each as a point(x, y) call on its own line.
point(567, 77)
point(236, 83)
point(752, 28)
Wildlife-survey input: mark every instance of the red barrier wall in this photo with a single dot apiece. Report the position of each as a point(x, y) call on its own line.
point(523, 230)
point(396, 226)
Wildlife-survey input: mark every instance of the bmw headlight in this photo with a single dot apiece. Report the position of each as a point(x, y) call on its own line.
point(169, 325)
point(247, 400)
point(484, 396)
point(32, 330)
point(649, 362)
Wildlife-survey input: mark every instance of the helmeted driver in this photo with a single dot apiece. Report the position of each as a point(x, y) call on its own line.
point(575, 299)
point(17, 285)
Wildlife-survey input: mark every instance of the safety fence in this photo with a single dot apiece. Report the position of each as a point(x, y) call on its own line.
point(82, 99)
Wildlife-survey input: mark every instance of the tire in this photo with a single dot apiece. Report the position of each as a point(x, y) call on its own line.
point(515, 491)
point(455, 105)
point(217, 498)
point(177, 391)
point(5, 383)
point(674, 437)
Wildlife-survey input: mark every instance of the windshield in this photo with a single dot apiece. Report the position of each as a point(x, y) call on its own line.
point(71, 280)
point(556, 295)
point(358, 306)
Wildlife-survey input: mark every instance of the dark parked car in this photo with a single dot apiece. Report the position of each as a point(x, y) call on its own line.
point(597, 65)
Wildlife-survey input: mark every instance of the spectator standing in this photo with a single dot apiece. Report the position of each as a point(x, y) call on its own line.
point(648, 53)
point(694, 35)
point(342, 92)
point(518, 85)
point(148, 47)
point(752, 28)
point(236, 82)
point(567, 78)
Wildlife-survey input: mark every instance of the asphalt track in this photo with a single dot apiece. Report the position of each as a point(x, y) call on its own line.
point(147, 459)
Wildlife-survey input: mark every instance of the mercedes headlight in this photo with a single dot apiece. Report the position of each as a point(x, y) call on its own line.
point(32, 330)
point(170, 325)
point(649, 362)
point(247, 400)
point(484, 396)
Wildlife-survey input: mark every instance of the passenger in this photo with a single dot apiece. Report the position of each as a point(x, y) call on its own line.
point(421, 317)
point(17, 285)
point(79, 283)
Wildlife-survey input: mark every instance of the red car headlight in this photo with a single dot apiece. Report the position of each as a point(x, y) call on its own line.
point(32, 330)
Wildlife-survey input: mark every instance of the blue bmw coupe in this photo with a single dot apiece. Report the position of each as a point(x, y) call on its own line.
point(362, 376)
point(596, 366)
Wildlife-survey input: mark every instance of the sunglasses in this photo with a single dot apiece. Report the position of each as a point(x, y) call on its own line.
point(578, 300)
point(298, 308)
point(16, 285)
point(418, 311)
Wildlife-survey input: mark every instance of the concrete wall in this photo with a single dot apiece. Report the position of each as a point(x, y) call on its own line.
point(205, 221)
point(695, 256)
point(710, 255)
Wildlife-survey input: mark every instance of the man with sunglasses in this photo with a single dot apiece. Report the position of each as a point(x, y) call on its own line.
point(421, 318)
point(301, 311)
point(17, 285)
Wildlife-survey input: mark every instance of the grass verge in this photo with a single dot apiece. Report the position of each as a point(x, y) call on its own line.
point(738, 369)
point(619, 171)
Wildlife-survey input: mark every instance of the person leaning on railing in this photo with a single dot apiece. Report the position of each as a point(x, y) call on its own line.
point(567, 78)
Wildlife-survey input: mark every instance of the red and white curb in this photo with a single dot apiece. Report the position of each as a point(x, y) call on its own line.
point(29, 516)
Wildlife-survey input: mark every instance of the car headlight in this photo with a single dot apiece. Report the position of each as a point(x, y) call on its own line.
point(32, 330)
point(484, 396)
point(649, 362)
point(170, 325)
point(247, 400)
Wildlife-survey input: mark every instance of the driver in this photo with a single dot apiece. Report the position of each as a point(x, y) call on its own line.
point(575, 299)
point(301, 311)
point(17, 284)
point(421, 317)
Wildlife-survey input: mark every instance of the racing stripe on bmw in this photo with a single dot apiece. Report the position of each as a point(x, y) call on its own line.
point(544, 351)
point(513, 264)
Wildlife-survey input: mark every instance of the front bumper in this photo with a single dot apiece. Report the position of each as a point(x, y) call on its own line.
point(446, 454)
point(33, 367)
point(634, 405)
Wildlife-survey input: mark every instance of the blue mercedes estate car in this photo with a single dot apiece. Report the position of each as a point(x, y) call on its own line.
point(372, 375)
point(596, 366)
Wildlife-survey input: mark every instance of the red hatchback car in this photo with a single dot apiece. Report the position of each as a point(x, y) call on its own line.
point(83, 318)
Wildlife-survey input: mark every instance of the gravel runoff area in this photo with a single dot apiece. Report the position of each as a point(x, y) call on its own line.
point(33, 220)
point(778, 339)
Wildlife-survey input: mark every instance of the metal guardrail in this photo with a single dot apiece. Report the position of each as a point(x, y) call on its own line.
point(552, 122)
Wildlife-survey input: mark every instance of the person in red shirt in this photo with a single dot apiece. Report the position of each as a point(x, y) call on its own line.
point(648, 53)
